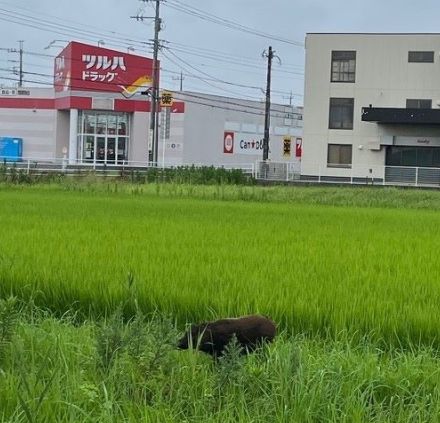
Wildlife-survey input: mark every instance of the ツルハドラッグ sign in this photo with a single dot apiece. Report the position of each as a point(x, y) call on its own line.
point(90, 68)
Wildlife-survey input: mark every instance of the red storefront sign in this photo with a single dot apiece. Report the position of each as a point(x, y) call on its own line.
point(228, 143)
point(298, 147)
point(83, 67)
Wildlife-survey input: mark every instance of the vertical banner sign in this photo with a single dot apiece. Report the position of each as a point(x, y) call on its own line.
point(298, 147)
point(286, 146)
point(228, 143)
point(166, 99)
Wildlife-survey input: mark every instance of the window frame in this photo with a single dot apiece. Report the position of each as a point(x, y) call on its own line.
point(419, 100)
point(397, 156)
point(343, 61)
point(331, 113)
point(340, 165)
point(415, 56)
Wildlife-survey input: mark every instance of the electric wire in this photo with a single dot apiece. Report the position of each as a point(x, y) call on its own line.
point(193, 11)
point(200, 99)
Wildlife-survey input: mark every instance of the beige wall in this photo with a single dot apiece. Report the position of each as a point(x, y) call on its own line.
point(384, 78)
point(138, 148)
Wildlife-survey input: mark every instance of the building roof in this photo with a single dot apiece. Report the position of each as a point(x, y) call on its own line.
point(374, 33)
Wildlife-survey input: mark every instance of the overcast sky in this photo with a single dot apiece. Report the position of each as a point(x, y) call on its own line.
point(213, 58)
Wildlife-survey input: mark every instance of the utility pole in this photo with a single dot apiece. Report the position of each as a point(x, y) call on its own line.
point(20, 52)
point(154, 119)
point(269, 56)
point(181, 78)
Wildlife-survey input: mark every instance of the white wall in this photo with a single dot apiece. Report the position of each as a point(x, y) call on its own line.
point(384, 78)
point(207, 117)
point(35, 126)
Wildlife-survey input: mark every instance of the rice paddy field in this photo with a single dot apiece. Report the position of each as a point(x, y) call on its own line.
point(97, 280)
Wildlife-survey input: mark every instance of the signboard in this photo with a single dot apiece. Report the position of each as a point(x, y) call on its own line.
point(166, 99)
point(286, 146)
point(174, 146)
point(228, 142)
point(250, 144)
point(298, 147)
point(417, 141)
point(13, 92)
point(84, 67)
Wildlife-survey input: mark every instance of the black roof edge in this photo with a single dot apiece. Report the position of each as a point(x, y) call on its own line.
point(373, 33)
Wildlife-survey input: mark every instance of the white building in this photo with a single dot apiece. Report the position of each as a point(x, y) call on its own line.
point(372, 107)
point(98, 128)
point(96, 114)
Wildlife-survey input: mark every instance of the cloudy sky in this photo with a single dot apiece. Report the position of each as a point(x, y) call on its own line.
point(217, 45)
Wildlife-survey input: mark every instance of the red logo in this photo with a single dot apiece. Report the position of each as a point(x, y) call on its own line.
point(228, 143)
point(298, 147)
point(86, 67)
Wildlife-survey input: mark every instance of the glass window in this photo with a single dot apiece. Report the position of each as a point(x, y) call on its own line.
point(341, 113)
point(413, 156)
point(424, 157)
point(436, 157)
point(89, 147)
point(101, 124)
point(343, 66)
point(339, 155)
point(421, 57)
point(89, 123)
point(111, 124)
point(393, 156)
point(123, 125)
point(122, 149)
point(418, 104)
point(409, 156)
point(103, 137)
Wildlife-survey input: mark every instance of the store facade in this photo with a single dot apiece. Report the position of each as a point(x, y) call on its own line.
point(97, 114)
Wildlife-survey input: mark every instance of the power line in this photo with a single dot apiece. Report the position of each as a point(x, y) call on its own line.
point(199, 99)
point(193, 11)
point(207, 79)
point(42, 25)
point(202, 78)
point(226, 60)
point(57, 29)
point(216, 54)
point(46, 15)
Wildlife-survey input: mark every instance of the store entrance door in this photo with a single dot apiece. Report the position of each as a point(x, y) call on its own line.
point(106, 150)
point(104, 137)
point(100, 149)
point(111, 150)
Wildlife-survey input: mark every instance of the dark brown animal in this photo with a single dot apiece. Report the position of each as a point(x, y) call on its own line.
point(213, 337)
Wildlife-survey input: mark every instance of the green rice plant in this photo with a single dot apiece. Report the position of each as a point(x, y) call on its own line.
point(319, 261)
point(8, 321)
point(52, 376)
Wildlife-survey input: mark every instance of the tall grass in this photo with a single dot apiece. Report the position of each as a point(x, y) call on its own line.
point(54, 372)
point(315, 268)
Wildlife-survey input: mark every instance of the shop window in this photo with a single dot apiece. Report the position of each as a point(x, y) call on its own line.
point(89, 123)
point(343, 66)
point(339, 155)
point(413, 156)
point(104, 137)
point(101, 124)
point(418, 104)
point(421, 57)
point(111, 125)
point(341, 113)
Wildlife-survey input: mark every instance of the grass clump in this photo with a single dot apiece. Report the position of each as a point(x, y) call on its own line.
point(54, 373)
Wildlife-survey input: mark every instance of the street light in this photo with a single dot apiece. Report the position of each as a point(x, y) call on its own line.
point(53, 42)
